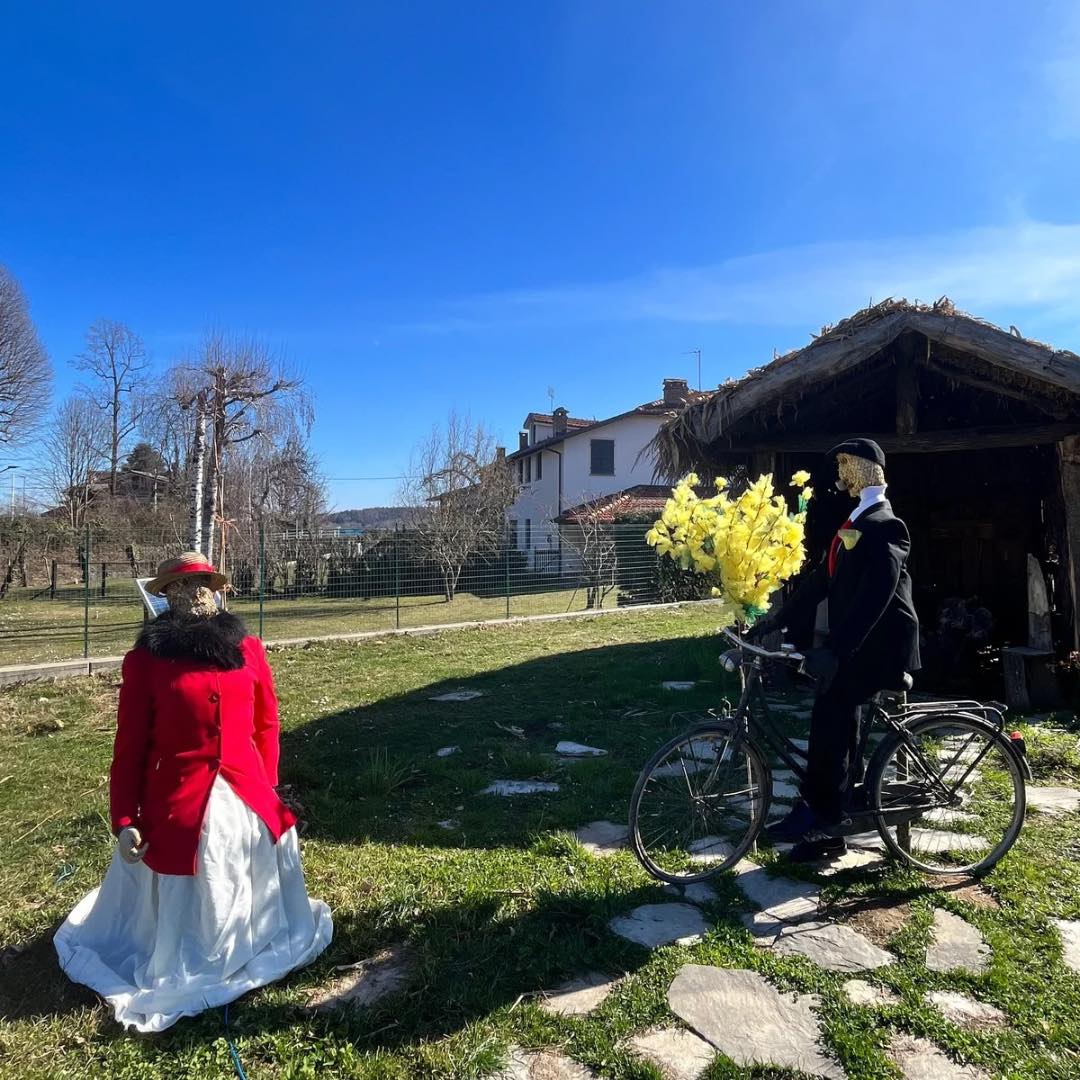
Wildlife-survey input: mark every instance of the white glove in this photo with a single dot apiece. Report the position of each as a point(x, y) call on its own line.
point(130, 845)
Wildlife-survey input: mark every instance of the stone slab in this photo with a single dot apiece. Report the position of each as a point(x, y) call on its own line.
point(603, 837)
point(653, 925)
point(860, 992)
point(697, 892)
point(781, 789)
point(543, 1065)
point(519, 787)
point(367, 981)
point(938, 841)
point(965, 1011)
point(579, 996)
point(709, 849)
point(573, 749)
point(779, 898)
point(1052, 801)
point(764, 929)
point(677, 684)
point(832, 946)
point(678, 1054)
point(450, 824)
point(446, 751)
point(918, 1059)
point(956, 945)
point(855, 859)
point(458, 695)
point(1069, 929)
point(750, 1021)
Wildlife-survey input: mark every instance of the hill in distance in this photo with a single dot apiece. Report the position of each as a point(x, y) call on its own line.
point(370, 517)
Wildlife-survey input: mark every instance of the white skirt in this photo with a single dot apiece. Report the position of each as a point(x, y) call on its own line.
point(159, 947)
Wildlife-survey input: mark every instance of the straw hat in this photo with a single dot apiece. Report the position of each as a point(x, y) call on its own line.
point(187, 562)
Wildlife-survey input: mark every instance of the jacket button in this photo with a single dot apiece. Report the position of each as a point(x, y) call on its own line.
point(215, 697)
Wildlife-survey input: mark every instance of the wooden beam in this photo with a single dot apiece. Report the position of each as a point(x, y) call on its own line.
point(907, 385)
point(989, 386)
point(923, 442)
point(1069, 464)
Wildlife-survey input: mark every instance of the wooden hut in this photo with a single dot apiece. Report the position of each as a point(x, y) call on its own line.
point(981, 429)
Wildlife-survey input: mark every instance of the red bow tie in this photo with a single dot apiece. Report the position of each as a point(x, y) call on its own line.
point(834, 547)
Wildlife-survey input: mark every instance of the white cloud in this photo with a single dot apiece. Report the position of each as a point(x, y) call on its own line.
point(1026, 267)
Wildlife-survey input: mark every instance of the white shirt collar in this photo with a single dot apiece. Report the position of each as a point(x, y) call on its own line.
point(870, 496)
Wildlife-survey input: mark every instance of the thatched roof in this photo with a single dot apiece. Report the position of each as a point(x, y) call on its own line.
point(1018, 363)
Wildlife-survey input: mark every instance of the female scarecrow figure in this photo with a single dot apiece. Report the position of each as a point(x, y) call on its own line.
point(205, 897)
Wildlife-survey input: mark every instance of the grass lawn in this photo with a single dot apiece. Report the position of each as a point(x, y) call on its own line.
point(507, 903)
point(37, 630)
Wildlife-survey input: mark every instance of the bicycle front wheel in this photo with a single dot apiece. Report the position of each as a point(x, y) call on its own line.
point(949, 794)
point(698, 805)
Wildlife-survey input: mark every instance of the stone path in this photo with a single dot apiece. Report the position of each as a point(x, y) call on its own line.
point(519, 787)
point(678, 1054)
point(697, 892)
point(578, 750)
point(543, 1065)
point(965, 1011)
point(956, 945)
point(579, 996)
point(779, 898)
point(1069, 930)
point(366, 981)
point(1052, 801)
point(860, 992)
point(750, 1021)
point(855, 859)
point(831, 945)
point(922, 1060)
point(677, 684)
point(652, 925)
point(459, 695)
point(603, 837)
point(446, 751)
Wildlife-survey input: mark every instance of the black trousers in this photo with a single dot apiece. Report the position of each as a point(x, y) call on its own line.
point(833, 763)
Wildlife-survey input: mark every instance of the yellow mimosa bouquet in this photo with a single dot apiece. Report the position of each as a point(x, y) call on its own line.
point(747, 545)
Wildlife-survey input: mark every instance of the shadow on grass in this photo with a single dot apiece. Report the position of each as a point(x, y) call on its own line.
point(608, 697)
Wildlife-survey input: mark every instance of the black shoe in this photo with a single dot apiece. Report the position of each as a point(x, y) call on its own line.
point(827, 847)
point(794, 826)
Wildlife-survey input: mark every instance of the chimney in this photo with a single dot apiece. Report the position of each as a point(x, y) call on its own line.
point(559, 421)
point(523, 440)
point(500, 453)
point(676, 392)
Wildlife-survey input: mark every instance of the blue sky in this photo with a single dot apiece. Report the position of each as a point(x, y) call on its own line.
point(435, 205)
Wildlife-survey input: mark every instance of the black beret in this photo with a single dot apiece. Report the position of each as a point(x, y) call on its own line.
point(860, 448)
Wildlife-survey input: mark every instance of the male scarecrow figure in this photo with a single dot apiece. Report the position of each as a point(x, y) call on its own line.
point(873, 640)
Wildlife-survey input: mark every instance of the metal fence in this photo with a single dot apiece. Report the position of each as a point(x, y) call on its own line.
point(81, 599)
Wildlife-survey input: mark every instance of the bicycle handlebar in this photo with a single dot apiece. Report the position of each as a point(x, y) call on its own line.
point(788, 654)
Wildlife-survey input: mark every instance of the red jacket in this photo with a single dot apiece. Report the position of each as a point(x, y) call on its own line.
point(181, 722)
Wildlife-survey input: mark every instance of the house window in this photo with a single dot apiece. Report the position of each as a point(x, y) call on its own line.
point(539, 466)
point(528, 534)
point(528, 470)
point(602, 461)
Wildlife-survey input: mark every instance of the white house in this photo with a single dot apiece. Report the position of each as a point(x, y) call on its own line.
point(563, 462)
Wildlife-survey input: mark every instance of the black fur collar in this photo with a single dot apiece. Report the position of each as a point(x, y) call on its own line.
point(214, 641)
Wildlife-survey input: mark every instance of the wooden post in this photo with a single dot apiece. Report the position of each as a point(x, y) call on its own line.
point(104, 575)
point(907, 385)
point(52, 580)
point(1069, 465)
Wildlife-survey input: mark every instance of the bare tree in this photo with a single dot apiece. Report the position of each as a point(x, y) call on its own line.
point(590, 538)
point(459, 492)
point(73, 456)
point(25, 374)
point(236, 391)
point(116, 358)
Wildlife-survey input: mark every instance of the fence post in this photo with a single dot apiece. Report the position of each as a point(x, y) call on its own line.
point(52, 580)
point(262, 574)
point(397, 577)
point(104, 575)
point(506, 565)
point(86, 596)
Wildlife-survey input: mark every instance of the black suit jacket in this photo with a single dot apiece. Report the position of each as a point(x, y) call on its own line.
point(872, 620)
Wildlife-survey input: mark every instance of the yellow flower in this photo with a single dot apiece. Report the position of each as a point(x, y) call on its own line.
point(800, 479)
point(721, 483)
point(807, 493)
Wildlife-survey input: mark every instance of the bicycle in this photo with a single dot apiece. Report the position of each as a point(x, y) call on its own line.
point(944, 787)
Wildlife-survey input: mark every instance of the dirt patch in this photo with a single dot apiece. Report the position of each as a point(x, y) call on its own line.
point(964, 889)
point(876, 918)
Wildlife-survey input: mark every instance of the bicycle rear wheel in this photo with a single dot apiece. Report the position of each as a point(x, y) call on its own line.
point(949, 798)
point(698, 805)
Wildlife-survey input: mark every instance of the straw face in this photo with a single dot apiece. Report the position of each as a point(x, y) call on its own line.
point(187, 562)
